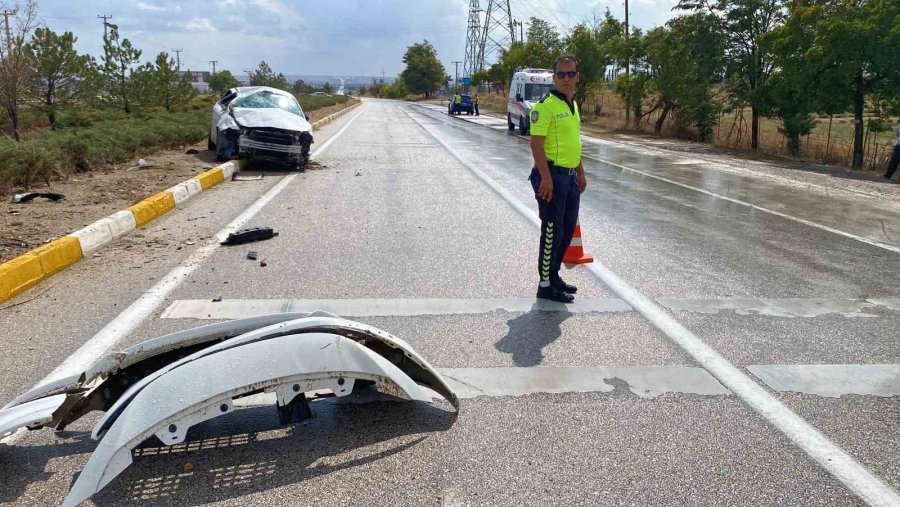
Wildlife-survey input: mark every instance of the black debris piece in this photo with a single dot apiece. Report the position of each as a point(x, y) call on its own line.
point(250, 235)
point(251, 255)
point(192, 151)
point(30, 196)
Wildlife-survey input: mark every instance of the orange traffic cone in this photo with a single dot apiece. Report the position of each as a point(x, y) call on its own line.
point(575, 253)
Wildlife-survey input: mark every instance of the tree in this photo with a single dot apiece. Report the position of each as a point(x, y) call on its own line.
point(301, 87)
point(744, 22)
point(123, 79)
point(424, 73)
point(480, 77)
point(544, 35)
point(847, 49)
point(222, 81)
point(586, 45)
point(632, 88)
point(327, 88)
point(498, 74)
point(265, 76)
point(686, 58)
point(15, 62)
point(543, 45)
point(61, 75)
point(165, 87)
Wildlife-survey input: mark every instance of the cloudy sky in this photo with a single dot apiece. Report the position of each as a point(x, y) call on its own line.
point(309, 37)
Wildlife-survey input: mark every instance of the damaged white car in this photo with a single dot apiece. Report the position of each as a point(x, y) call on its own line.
point(260, 123)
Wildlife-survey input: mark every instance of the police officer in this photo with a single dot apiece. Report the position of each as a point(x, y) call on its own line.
point(475, 101)
point(558, 176)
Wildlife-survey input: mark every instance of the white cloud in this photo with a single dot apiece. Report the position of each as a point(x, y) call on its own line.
point(199, 25)
point(149, 7)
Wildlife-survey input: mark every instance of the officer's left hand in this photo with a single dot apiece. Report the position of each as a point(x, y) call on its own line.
point(582, 183)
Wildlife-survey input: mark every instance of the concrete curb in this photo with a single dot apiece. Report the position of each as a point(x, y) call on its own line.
point(31, 268)
point(316, 125)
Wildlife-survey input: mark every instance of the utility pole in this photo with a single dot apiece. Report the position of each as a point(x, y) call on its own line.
point(105, 24)
point(627, 62)
point(177, 58)
point(456, 81)
point(214, 62)
point(521, 32)
point(6, 13)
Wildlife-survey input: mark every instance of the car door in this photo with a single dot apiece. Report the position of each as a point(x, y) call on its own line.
point(220, 108)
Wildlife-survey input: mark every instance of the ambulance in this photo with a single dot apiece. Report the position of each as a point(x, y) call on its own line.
point(528, 87)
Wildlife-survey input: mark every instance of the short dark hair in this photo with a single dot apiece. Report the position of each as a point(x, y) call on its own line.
point(563, 59)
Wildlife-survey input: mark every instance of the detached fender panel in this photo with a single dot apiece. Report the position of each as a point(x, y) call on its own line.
point(32, 413)
point(392, 348)
point(166, 405)
point(102, 383)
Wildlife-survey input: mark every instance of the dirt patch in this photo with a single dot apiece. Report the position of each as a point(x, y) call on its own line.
point(98, 194)
point(92, 196)
point(318, 114)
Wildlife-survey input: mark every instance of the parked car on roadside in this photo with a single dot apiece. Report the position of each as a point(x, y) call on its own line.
point(465, 106)
point(260, 123)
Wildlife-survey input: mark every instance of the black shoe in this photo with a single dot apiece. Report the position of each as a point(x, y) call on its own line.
point(568, 289)
point(554, 294)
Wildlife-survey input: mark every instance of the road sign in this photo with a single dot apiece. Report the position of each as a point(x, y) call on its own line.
point(465, 81)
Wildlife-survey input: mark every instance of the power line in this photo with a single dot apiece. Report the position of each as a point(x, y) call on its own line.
point(105, 24)
point(6, 13)
point(177, 58)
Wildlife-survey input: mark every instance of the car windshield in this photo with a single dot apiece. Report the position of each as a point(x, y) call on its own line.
point(535, 92)
point(269, 100)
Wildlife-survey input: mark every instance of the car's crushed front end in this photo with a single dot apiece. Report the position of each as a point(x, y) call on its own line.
point(265, 124)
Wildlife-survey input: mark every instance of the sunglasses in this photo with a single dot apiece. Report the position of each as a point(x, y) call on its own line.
point(569, 74)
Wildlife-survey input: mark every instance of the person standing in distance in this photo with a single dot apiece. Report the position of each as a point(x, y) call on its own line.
point(895, 156)
point(558, 176)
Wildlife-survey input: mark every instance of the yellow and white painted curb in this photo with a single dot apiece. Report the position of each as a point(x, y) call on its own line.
point(316, 125)
point(31, 268)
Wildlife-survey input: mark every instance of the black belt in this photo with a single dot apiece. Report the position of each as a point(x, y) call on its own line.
point(559, 169)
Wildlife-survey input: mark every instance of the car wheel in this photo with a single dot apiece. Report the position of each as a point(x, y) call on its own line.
point(509, 123)
point(220, 157)
point(209, 144)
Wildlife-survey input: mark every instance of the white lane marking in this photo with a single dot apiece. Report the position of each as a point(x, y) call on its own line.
point(776, 307)
point(832, 230)
point(832, 380)
point(131, 317)
point(814, 443)
point(206, 309)
point(643, 381)
point(243, 308)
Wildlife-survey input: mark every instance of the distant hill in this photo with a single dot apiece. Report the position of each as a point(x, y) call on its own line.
point(350, 82)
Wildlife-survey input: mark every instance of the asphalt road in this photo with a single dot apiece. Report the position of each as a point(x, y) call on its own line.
point(762, 271)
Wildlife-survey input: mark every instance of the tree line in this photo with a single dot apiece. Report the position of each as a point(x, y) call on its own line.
point(40, 68)
point(783, 59)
